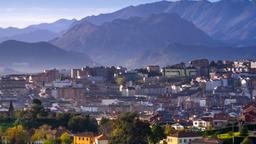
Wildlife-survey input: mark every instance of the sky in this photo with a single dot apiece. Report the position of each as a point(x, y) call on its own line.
point(21, 13)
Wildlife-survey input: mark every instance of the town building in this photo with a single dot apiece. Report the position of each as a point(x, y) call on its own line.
point(202, 124)
point(14, 87)
point(101, 139)
point(84, 138)
point(153, 68)
point(179, 72)
point(182, 137)
point(177, 126)
point(47, 76)
point(80, 73)
point(249, 113)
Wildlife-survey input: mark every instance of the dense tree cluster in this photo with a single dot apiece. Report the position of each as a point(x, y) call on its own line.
point(129, 129)
point(38, 123)
point(37, 116)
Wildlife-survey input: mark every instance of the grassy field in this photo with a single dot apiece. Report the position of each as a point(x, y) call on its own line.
point(228, 135)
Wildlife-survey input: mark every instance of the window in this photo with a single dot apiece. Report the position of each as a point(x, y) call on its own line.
point(180, 140)
point(185, 140)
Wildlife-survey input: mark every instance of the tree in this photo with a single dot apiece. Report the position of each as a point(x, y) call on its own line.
point(106, 126)
point(157, 133)
point(120, 80)
point(17, 135)
point(243, 130)
point(43, 133)
point(81, 123)
point(128, 129)
point(47, 142)
point(11, 110)
point(1, 134)
point(38, 110)
point(247, 141)
point(63, 118)
point(168, 129)
point(65, 138)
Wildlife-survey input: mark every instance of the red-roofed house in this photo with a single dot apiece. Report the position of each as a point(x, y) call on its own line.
point(101, 139)
point(249, 112)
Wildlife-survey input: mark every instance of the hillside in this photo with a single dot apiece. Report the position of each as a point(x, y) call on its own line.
point(121, 40)
point(227, 20)
point(20, 55)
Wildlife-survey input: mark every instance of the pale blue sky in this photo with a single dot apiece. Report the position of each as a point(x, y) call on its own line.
point(20, 13)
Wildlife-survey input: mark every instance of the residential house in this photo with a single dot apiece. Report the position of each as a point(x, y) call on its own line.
point(182, 137)
point(101, 139)
point(177, 126)
point(249, 112)
point(84, 138)
point(202, 124)
point(220, 120)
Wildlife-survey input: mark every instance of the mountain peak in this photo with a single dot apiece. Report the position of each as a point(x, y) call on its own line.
point(126, 38)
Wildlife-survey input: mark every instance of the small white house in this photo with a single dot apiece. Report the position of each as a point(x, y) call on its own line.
point(177, 126)
point(201, 124)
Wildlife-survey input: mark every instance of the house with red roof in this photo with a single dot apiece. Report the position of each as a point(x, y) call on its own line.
point(101, 139)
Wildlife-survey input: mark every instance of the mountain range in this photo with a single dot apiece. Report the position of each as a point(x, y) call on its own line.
point(162, 33)
point(125, 39)
point(227, 20)
point(175, 53)
point(23, 56)
point(36, 33)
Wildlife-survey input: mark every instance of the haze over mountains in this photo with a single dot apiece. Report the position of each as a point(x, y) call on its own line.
point(125, 39)
point(223, 20)
point(182, 53)
point(41, 55)
point(36, 33)
point(156, 33)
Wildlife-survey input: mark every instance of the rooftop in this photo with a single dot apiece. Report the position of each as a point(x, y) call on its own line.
point(181, 134)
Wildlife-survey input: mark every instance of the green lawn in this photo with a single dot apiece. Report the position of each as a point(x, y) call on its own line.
point(228, 135)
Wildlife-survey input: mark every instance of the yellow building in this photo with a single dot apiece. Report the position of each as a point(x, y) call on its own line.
point(182, 137)
point(84, 138)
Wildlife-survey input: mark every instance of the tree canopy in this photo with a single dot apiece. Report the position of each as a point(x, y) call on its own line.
point(129, 129)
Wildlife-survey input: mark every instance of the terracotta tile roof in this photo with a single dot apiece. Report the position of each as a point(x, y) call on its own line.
point(221, 116)
point(250, 104)
point(207, 140)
